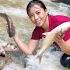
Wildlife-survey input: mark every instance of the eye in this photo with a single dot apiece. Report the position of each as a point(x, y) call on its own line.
point(38, 13)
point(31, 15)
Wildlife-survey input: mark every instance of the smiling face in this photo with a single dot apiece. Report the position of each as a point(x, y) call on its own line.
point(37, 15)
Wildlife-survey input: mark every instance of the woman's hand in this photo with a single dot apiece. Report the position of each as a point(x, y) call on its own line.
point(64, 45)
point(59, 37)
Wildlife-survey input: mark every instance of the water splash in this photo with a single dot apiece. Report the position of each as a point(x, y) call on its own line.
point(49, 61)
point(17, 11)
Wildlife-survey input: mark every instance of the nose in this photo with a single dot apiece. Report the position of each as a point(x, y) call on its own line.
point(36, 17)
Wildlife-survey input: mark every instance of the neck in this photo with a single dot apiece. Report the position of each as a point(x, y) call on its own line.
point(46, 24)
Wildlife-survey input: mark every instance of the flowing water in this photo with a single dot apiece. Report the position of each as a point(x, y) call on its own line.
point(16, 10)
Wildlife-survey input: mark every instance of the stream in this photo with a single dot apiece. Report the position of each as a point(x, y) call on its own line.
point(17, 11)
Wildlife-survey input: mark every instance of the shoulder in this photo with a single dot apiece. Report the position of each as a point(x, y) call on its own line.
point(62, 18)
point(59, 19)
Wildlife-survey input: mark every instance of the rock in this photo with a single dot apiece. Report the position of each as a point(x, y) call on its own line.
point(13, 66)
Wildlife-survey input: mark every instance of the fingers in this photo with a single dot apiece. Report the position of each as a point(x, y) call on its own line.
point(44, 34)
point(60, 34)
point(58, 38)
point(2, 51)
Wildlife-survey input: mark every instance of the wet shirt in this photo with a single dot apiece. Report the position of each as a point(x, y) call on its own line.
point(54, 21)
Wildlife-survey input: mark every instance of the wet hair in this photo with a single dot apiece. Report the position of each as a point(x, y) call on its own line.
point(35, 2)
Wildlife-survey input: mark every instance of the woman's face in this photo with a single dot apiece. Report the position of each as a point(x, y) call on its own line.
point(37, 15)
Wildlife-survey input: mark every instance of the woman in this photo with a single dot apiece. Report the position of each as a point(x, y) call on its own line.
point(45, 22)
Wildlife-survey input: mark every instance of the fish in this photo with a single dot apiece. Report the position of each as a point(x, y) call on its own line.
point(49, 39)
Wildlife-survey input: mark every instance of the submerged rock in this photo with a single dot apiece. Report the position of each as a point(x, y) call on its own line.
point(13, 66)
point(50, 61)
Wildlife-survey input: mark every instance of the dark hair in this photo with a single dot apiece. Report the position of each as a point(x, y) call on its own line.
point(33, 2)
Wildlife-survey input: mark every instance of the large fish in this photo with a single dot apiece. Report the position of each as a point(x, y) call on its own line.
point(49, 39)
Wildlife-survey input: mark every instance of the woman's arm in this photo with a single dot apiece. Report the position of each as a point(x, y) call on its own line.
point(26, 48)
point(64, 45)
